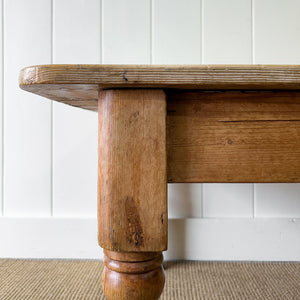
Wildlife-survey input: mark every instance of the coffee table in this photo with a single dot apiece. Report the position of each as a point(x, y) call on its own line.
point(173, 123)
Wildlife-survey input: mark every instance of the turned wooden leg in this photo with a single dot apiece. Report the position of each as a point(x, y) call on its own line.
point(132, 192)
point(133, 275)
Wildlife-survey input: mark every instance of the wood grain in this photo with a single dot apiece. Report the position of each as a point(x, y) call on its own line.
point(78, 85)
point(132, 184)
point(142, 278)
point(233, 136)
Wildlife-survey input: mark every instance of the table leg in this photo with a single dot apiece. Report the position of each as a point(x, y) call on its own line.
point(139, 276)
point(132, 192)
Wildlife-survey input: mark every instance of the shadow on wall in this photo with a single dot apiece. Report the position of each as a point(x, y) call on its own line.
point(177, 238)
point(184, 201)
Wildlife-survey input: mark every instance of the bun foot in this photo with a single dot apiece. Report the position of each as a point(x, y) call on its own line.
point(133, 275)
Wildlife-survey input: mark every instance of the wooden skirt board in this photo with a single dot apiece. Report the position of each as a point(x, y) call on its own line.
point(233, 136)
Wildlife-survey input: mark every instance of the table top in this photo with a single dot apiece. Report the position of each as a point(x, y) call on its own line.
point(78, 85)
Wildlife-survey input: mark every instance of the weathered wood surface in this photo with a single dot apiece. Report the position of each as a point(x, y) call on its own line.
point(78, 85)
point(132, 184)
point(233, 136)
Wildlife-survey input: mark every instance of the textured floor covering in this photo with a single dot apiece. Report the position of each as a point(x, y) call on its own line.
point(67, 279)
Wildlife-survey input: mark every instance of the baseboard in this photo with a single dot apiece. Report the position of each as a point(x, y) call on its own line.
point(260, 239)
point(267, 239)
point(49, 238)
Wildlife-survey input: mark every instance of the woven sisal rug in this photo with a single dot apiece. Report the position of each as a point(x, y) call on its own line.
point(78, 279)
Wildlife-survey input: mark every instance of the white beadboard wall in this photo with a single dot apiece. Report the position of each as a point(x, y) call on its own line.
point(49, 150)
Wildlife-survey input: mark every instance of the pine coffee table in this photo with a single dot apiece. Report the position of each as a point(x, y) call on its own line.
point(173, 123)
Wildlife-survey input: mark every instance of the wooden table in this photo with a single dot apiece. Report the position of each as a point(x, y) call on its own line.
point(159, 124)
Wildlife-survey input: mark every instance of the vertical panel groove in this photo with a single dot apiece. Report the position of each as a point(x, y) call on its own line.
point(252, 62)
point(151, 32)
point(202, 31)
point(101, 33)
point(201, 62)
point(51, 121)
point(2, 104)
point(252, 33)
point(202, 201)
point(254, 200)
